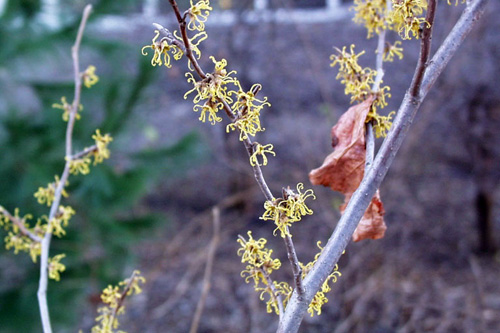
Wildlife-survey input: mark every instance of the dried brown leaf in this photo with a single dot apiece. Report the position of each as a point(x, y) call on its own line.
point(344, 168)
point(372, 225)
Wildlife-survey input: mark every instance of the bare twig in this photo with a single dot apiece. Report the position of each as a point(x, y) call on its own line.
point(181, 287)
point(373, 177)
point(208, 270)
point(370, 146)
point(85, 152)
point(425, 49)
point(44, 257)
point(379, 62)
point(294, 262)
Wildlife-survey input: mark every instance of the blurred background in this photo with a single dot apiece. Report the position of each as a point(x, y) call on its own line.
point(149, 206)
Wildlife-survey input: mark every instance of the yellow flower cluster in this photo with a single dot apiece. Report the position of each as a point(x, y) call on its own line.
point(405, 17)
point(66, 107)
point(372, 14)
point(89, 77)
point(356, 79)
point(17, 238)
point(81, 165)
point(247, 110)
point(456, 2)
point(214, 86)
point(320, 298)
point(101, 142)
point(55, 267)
point(162, 48)
point(358, 83)
point(288, 209)
point(60, 221)
point(45, 195)
point(260, 265)
point(113, 298)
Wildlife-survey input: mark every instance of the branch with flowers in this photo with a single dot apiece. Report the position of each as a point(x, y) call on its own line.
point(220, 90)
point(36, 239)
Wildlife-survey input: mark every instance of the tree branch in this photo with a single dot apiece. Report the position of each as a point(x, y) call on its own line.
point(44, 257)
point(208, 270)
point(249, 146)
point(339, 239)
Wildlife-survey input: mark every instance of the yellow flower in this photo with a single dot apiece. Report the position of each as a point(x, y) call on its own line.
point(392, 50)
point(261, 150)
point(211, 108)
point(113, 298)
point(102, 142)
point(287, 210)
point(372, 14)
point(198, 14)
point(381, 124)
point(55, 267)
point(162, 48)
point(405, 17)
point(60, 221)
point(45, 195)
point(79, 165)
point(133, 283)
point(320, 298)
point(67, 108)
point(213, 87)
point(89, 77)
point(357, 80)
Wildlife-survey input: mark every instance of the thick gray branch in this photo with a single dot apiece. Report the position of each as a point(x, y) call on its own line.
point(361, 198)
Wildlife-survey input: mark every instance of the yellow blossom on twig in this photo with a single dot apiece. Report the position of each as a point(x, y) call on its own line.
point(405, 17)
point(102, 142)
point(45, 195)
point(80, 166)
point(67, 108)
point(198, 14)
point(289, 209)
point(55, 267)
point(161, 51)
point(262, 151)
point(392, 50)
point(113, 299)
point(372, 14)
point(89, 77)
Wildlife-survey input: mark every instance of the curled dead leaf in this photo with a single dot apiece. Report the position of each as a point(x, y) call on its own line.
point(344, 168)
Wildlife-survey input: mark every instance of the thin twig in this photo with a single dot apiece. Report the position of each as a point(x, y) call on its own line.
point(85, 152)
point(425, 49)
point(19, 222)
point(122, 297)
point(189, 53)
point(44, 256)
point(208, 270)
point(373, 177)
point(294, 262)
point(379, 61)
point(370, 146)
